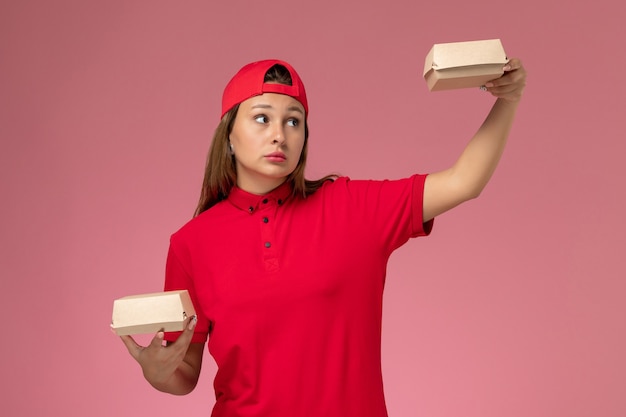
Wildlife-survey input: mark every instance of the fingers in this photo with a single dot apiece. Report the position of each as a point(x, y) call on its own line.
point(187, 334)
point(509, 86)
point(191, 324)
point(157, 340)
point(181, 344)
point(513, 73)
point(133, 348)
point(158, 362)
point(513, 64)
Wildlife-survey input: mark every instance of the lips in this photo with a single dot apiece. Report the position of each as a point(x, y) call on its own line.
point(276, 156)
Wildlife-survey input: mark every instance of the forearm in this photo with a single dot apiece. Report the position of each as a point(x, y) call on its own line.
point(482, 154)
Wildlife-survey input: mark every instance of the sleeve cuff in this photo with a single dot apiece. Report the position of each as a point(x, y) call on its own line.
point(419, 227)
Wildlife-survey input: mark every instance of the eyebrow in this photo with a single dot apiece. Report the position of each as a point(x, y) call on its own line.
point(267, 106)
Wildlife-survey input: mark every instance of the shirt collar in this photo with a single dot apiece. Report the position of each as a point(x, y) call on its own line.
point(250, 202)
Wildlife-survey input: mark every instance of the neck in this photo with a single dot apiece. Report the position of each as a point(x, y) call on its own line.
point(262, 187)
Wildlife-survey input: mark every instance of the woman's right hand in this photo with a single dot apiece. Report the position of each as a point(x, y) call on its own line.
point(174, 368)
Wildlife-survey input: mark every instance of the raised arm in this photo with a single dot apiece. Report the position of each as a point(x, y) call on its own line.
point(470, 174)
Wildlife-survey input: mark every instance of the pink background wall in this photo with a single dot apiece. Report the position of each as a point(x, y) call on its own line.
point(515, 305)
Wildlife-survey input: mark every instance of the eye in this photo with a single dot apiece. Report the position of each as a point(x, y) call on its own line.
point(293, 122)
point(261, 118)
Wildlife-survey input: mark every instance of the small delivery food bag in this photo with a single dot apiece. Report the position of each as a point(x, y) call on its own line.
point(149, 313)
point(464, 64)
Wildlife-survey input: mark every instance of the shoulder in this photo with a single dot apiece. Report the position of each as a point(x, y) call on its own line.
point(206, 221)
point(347, 192)
point(348, 185)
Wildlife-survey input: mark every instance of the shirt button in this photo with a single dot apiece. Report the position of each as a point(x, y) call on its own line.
point(265, 200)
point(265, 220)
point(250, 209)
point(280, 202)
point(268, 244)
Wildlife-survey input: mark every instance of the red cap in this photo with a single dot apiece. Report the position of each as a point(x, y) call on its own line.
point(249, 82)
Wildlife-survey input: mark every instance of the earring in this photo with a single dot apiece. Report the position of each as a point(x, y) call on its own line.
point(231, 149)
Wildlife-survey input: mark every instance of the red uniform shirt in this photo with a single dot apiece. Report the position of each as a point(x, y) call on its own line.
point(290, 291)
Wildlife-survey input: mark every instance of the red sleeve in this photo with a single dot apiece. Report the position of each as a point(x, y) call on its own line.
point(419, 227)
point(177, 277)
point(390, 211)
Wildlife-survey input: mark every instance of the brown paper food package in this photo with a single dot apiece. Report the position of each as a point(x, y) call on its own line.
point(464, 64)
point(149, 313)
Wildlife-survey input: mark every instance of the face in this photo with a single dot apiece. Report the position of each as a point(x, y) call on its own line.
point(267, 139)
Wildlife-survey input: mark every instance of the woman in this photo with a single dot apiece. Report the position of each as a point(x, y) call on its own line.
point(287, 274)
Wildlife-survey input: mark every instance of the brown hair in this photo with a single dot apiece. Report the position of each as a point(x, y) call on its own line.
point(220, 174)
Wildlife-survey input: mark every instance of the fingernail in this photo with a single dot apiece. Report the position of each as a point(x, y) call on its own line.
point(488, 84)
point(192, 322)
point(507, 67)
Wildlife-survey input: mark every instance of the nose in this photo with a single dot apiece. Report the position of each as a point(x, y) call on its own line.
point(279, 135)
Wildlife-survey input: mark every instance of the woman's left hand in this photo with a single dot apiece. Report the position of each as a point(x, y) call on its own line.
point(510, 86)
